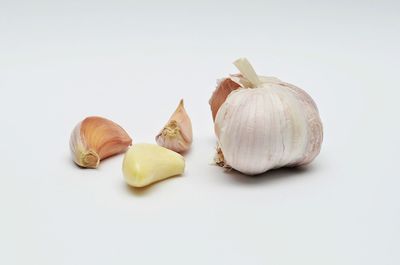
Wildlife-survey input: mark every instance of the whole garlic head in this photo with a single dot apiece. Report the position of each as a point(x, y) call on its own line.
point(266, 123)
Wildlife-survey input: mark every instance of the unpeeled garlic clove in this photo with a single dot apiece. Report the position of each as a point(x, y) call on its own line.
point(145, 164)
point(177, 134)
point(224, 87)
point(96, 138)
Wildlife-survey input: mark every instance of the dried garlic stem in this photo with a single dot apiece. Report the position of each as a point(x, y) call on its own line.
point(247, 71)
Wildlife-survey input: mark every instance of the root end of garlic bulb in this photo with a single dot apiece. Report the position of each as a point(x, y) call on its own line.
point(219, 159)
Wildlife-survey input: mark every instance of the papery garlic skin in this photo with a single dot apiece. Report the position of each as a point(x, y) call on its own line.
point(272, 125)
point(224, 88)
point(177, 134)
point(96, 138)
point(145, 164)
point(226, 85)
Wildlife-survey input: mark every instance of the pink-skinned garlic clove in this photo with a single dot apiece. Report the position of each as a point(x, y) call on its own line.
point(177, 134)
point(96, 138)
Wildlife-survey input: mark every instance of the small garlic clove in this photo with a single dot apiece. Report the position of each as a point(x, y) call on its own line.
point(95, 139)
point(177, 134)
point(145, 164)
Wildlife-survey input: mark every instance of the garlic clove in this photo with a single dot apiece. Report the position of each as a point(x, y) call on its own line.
point(314, 124)
point(96, 138)
point(145, 164)
point(177, 134)
point(224, 88)
point(247, 78)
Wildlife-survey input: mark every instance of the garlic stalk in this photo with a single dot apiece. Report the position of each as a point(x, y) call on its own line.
point(96, 138)
point(247, 70)
point(145, 164)
point(177, 134)
point(264, 123)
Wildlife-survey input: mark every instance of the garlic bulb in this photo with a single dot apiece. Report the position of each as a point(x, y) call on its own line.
point(96, 138)
point(264, 123)
point(145, 164)
point(177, 133)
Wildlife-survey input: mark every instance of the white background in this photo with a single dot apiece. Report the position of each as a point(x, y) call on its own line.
point(131, 62)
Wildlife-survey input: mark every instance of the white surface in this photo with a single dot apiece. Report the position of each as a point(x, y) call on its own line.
point(131, 62)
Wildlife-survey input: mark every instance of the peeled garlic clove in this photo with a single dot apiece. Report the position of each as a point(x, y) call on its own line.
point(96, 138)
point(266, 124)
point(177, 134)
point(145, 164)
